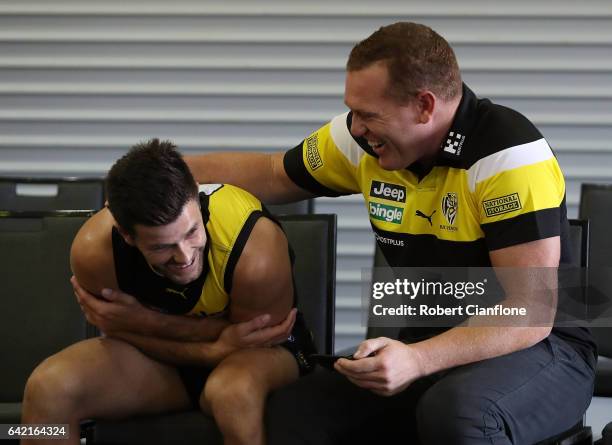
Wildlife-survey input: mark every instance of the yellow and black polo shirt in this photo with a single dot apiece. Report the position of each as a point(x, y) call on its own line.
point(229, 214)
point(495, 183)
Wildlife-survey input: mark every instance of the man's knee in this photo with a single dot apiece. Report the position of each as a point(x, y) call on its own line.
point(54, 385)
point(232, 387)
point(447, 414)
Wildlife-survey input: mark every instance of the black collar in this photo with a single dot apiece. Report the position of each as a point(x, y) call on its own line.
point(453, 150)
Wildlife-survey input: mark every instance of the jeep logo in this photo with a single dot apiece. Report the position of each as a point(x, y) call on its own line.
point(391, 192)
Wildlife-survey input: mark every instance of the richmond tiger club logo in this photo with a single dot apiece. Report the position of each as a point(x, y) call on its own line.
point(450, 206)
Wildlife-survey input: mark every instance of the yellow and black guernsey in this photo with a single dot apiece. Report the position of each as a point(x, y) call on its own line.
point(229, 214)
point(495, 183)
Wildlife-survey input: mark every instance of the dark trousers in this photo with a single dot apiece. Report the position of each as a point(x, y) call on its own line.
point(519, 398)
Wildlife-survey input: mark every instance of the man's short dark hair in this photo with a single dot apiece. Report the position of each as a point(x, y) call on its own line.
point(417, 58)
point(150, 185)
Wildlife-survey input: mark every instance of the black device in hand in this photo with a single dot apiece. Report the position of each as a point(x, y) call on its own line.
point(327, 361)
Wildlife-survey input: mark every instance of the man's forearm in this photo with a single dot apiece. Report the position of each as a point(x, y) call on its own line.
point(184, 328)
point(486, 336)
point(463, 345)
point(249, 171)
point(172, 351)
point(261, 174)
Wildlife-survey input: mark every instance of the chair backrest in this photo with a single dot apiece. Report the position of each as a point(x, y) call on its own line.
point(579, 241)
point(596, 206)
point(303, 207)
point(313, 239)
point(46, 194)
point(38, 310)
point(379, 331)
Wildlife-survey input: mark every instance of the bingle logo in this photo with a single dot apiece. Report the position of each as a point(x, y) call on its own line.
point(454, 143)
point(382, 212)
point(390, 192)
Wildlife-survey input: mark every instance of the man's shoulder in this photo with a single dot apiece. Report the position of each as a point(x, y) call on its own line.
point(266, 247)
point(498, 128)
point(91, 255)
point(227, 210)
point(263, 272)
point(227, 198)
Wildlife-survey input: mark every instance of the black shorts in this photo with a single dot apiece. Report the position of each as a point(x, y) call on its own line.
point(300, 344)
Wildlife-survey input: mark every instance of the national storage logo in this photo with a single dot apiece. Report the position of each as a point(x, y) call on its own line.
point(386, 213)
point(503, 204)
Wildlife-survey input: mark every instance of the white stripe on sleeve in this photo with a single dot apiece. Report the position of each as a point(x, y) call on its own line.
point(508, 159)
point(344, 140)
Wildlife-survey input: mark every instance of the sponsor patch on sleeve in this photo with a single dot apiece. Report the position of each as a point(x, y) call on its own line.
point(312, 152)
point(503, 204)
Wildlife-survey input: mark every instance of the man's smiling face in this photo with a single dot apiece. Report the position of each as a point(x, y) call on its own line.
point(396, 132)
point(174, 250)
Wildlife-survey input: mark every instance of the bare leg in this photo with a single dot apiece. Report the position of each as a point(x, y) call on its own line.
point(236, 391)
point(99, 378)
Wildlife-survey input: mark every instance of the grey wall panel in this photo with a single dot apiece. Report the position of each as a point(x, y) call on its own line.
point(82, 81)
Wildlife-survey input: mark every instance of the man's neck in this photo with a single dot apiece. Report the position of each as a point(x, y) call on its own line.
point(444, 118)
point(442, 124)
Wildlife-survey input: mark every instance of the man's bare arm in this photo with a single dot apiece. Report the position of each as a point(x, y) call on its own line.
point(489, 340)
point(253, 333)
point(260, 305)
point(396, 365)
point(263, 280)
point(92, 263)
point(259, 173)
point(117, 311)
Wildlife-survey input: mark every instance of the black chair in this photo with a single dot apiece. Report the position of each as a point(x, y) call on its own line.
point(40, 315)
point(313, 238)
point(46, 194)
point(303, 207)
point(596, 206)
point(579, 239)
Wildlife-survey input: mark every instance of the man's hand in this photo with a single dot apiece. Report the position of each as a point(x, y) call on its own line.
point(115, 311)
point(384, 366)
point(254, 333)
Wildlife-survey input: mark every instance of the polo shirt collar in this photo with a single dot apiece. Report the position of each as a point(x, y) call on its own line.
point(452, 151)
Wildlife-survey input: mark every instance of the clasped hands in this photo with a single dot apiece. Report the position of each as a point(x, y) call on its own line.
point(117, 312)
point(383, 366)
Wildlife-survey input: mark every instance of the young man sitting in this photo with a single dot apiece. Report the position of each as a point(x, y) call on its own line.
point(194, 295)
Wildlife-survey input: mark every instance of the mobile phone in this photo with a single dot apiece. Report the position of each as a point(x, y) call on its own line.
point(327, 361)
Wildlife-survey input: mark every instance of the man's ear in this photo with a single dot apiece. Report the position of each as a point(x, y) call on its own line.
point(126, 236)
point(426, 103)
